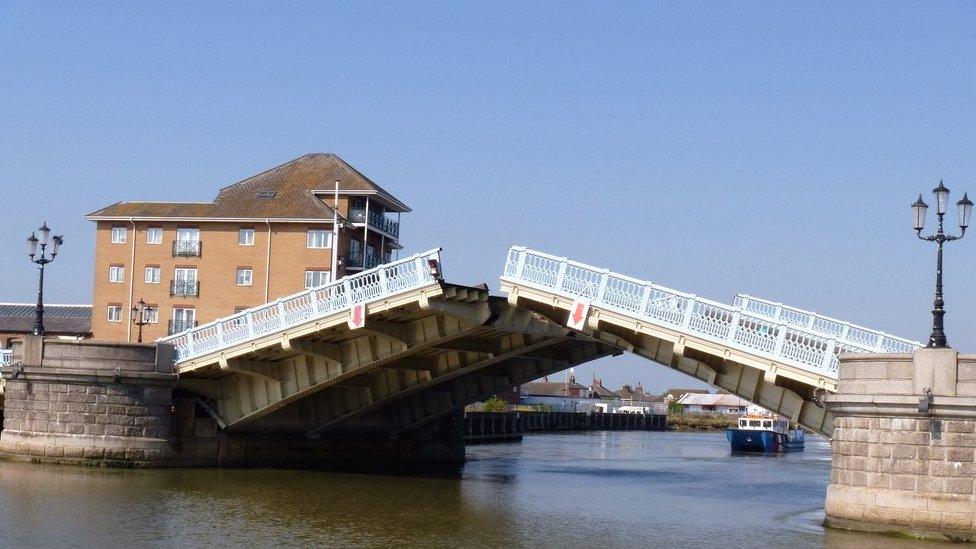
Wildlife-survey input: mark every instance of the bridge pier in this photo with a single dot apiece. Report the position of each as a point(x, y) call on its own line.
point(903, 445)
point(116, 404)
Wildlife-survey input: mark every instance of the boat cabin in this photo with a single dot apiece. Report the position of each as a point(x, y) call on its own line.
point(764, 424)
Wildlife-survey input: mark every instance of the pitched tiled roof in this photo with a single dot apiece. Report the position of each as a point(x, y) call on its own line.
point(284, 192)
point(58, 319)
point(551, 388)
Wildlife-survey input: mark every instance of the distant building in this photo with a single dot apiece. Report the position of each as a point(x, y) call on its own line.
point(561, 396)
point(636, 396)
point(17, 320)
point(708, 403)
point(673, 395)
point(597, 390)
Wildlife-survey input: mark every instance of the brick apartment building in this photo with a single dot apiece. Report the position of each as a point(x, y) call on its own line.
point(267, 236)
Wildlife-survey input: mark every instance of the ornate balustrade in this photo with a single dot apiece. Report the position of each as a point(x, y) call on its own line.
point(6, 357)
point(800, 338)
point(375, 284)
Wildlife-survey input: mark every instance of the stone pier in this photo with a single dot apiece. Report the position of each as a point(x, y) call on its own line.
point(119, 405)
point(903, 445)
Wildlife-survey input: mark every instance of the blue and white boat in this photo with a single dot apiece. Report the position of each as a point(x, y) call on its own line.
point(764, 434)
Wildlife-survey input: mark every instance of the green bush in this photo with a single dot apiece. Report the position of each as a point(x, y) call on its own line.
point(495, 404)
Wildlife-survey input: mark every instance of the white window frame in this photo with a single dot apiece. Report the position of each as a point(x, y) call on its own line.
point(152, 314)
point(326, 239)
point(116, 274)
point(310, 274)
point(117, 317)
point(182, 234)
point(149, 279)
point(119, 235)
point(248, 276)
point(158, 232)
point(248, 237)
point(185, 274)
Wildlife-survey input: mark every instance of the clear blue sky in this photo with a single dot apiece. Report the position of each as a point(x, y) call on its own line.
point(766, 148)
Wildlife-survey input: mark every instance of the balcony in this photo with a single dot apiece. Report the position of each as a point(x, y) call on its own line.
point(377, 220)
point(355, 260)
point(177, 326)
point(187, 248)
point(184, 288)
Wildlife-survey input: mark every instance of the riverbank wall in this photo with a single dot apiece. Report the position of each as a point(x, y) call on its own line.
point(483, 427)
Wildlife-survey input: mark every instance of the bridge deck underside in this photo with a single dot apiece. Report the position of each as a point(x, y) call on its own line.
point(788, 391)
point(409, 366)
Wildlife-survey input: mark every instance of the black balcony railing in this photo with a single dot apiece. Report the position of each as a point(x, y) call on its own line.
point(355, 260)
point(377, 220)
point(184, 288)
point(177, 326)
point(187, 248)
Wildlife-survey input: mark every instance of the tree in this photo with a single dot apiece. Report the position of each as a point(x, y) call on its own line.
point(495, 404)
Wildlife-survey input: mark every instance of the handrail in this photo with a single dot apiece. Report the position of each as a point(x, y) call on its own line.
point(375, 219)
point(810, 342)
point(367, 286)
point(826, 326)
point(6, 357)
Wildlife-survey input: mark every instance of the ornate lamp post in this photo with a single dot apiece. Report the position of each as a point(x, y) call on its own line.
point(139, 317)
point(938, 338)
point(41, 261)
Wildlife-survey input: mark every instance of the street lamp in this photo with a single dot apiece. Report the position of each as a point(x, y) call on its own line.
point(41, 261)
point(938, 338)
point(139, 317)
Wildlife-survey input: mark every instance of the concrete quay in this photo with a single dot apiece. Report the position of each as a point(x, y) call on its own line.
point(904, 445)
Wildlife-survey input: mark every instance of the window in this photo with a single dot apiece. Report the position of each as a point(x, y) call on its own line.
point(118, 235)
point(184, 234)
point(185, 283)
point(244, 276)
point(116, 273)
point(316, 278)
point(152, 314)
point(245, 237)
point(152, 275)
point(154, 235)
point(319, 238)
point(115, 313)
point(355, 248)
point(187, 243)
point(183, 319)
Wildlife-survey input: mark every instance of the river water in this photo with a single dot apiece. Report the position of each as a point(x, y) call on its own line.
point(600, 489)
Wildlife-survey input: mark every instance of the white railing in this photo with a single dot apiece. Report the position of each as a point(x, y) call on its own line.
point(382, 282)
point(792, 336)
point(6, 357)
point(845, 333)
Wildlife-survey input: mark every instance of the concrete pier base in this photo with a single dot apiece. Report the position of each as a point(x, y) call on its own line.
point(118, 405)
point(904, 445)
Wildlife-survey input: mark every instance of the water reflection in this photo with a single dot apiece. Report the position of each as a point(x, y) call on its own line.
point(612, 489)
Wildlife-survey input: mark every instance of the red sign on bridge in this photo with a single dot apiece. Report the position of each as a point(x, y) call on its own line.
point(577, 314)
point(357, 316)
